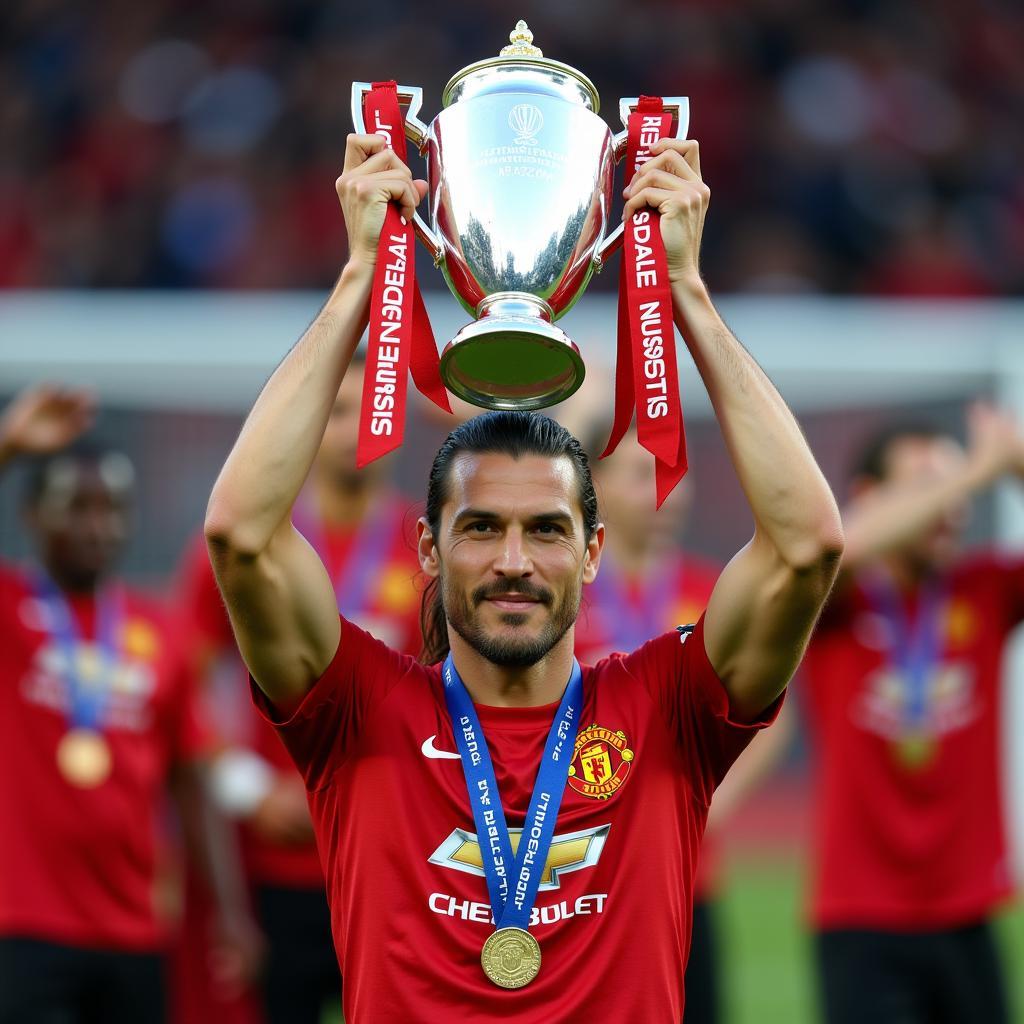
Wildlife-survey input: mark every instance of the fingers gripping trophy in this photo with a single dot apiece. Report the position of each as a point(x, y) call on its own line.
point(520, 171)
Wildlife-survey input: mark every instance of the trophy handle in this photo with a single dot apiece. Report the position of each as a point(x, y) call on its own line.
point(680, 108)
point(416, 133)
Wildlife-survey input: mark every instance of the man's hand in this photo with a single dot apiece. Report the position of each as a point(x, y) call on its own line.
point(44, 419)
point(237, 955)
point(373, 177)
point(994, 442)
point(670, 182)
point(282, 816)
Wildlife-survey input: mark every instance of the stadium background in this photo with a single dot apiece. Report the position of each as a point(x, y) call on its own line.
point(168, 224)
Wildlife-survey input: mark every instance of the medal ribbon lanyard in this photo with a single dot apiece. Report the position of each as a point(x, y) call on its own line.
point(916, 647)
point(628, 625)
point(400, 340)
point(513, 881)
point(646, 372)
point(87, 699)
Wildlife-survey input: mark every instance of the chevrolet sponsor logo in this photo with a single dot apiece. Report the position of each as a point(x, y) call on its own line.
point(570, 852)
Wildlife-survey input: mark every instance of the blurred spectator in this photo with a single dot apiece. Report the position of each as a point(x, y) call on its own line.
point(189, 145)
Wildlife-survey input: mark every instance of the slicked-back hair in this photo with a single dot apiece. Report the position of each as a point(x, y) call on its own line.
point(516, 434)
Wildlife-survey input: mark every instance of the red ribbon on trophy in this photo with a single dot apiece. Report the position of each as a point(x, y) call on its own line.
point(646, 374)
point(400, 339)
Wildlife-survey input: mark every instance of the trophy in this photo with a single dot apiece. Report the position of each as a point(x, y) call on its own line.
point(520, 171)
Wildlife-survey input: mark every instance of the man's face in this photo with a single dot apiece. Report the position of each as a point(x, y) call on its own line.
point(512, 556)
point(626, 488)
point(81, 518)
point(337, 455)
point(913, 462)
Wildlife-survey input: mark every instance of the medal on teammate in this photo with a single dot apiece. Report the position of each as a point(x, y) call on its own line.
point(511, 955)
point(627, 619)
point(915, 650)
point(83, 753)
point(360, 575)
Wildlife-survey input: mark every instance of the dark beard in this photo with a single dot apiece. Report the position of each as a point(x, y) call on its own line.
point(504, 651)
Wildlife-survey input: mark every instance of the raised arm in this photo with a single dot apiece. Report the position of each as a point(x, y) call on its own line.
point(885, 516)
point(767, 599)
point(42, 420)
point(278, 594)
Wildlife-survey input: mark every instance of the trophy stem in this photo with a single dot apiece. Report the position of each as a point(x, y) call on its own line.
point(513, 356)
point(518, 304)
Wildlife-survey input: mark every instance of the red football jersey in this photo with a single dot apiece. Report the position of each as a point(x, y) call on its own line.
point(391, 614)
point(409, 902)
point(79, 866)
point(677, 599)
point(909, 830)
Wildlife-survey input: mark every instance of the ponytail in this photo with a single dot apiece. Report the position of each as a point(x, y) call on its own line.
point(433, 625)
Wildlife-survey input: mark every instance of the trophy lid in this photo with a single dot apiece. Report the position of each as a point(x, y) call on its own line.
point(521, 65)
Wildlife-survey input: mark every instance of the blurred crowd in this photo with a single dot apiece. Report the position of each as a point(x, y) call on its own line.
point(853, 147)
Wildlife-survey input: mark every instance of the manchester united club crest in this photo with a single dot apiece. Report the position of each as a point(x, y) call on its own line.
point(600, 762)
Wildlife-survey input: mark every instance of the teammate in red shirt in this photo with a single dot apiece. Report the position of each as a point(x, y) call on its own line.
point(412, 769)
point(99, 724)
point(647, 581)
point(903, 696)
point(358, 525)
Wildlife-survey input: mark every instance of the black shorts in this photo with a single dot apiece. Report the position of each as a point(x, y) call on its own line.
point(46, 983)
point(701, 1005)
point(942, 977)
point(301, 973)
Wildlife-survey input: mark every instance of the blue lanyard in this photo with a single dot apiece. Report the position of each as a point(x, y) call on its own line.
point(626, 625)
point(371, 546)
point(915, 648)
point(87, 699)
point(512, 881)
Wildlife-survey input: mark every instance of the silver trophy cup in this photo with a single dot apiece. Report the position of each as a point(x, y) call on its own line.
point(520, 171)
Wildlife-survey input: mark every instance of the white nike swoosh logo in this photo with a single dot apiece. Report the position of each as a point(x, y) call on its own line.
point(429, 750)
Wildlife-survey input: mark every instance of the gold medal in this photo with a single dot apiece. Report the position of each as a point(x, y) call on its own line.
point(511, 957)
point(83, 758)
point(915, 750)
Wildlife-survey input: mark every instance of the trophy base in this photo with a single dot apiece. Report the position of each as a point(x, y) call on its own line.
point(513, 357)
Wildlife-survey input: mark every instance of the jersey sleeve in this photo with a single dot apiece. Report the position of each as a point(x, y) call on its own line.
point(840, 606)
point(321, 731)
point(10, 589)
point(676, 671)
point(200, 604)
point(1008, 569)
